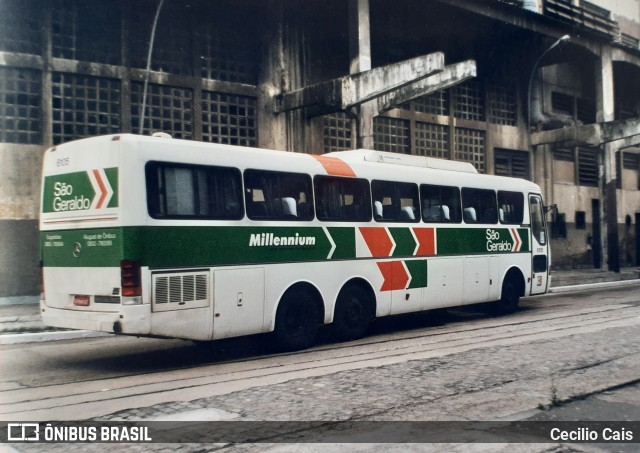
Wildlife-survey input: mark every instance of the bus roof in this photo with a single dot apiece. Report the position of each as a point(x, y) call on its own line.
point(383, 157)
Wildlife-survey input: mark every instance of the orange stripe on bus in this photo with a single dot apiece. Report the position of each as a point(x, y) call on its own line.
point(334, 166)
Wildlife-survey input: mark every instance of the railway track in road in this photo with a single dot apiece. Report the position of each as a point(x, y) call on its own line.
point(94, 398)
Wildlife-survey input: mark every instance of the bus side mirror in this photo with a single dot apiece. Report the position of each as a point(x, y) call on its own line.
point(553, 207)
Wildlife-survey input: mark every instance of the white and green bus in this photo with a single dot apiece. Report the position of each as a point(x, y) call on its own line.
point(152, 236)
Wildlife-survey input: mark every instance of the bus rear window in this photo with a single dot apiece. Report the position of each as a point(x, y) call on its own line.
point(176, 191)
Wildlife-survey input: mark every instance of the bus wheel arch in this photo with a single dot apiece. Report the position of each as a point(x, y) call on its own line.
point(298, 317)
point(354, 310)
point(513, 288)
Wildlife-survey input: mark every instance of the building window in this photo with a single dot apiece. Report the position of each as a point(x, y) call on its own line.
point(562, 103)
point(169, 109)
point(84, 106)
point(581, 220)
point(436, 103)
point(564, 154)
point(581, 109)
point(432, 140)
point(172, 46)
point(470, 147)
point(585, 111)
point(21, 29)
point(228, 54)
point(559, 226)
point(502, 105)
point(86, 30)
point(631, 161)
point(512, 163)
point(20, 105)
point(469, 103)
point(228, 118)
point(391, 134)
point(588, 167)
point(337, 130)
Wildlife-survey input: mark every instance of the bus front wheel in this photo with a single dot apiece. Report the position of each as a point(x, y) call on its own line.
point(296, 321)
point(509, 299)
point(353, 313)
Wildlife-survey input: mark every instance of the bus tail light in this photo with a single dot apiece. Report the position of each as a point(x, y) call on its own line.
point(130, 278)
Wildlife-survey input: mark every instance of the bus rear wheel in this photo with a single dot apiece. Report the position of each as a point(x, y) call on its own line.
point(353, 313)
point(297, 321)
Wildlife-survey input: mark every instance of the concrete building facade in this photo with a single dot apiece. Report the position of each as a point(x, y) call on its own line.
point(490, 82)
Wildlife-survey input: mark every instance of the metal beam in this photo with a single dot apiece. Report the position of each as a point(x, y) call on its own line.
point(348, 91)
point(591, 134)
point(450, 76)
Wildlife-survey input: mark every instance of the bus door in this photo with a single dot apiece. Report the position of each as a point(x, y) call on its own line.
point(539, 246)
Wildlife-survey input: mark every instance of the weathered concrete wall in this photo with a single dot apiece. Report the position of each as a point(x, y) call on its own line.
point(19, 270)
point(577, 249)
point(20, 180)
point(19, 206)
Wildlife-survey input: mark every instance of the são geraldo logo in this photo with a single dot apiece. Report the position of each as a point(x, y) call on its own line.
point(81, 191)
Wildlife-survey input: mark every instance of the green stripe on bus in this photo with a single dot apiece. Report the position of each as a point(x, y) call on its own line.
point(166, 246)
point(82, 248)
point(196, 246)
point(405, 242)
point(418, 271)
point(467, 241)
point(112, 176)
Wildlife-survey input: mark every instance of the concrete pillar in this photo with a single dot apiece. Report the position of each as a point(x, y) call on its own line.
point(271, 80)
point(359, 36)
point(605, 112)
point(360, 56)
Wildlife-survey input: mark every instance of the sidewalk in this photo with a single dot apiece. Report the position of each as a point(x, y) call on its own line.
point(25, 318)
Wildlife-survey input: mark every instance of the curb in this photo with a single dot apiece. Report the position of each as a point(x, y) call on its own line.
point(599, 285)
point(20, 338)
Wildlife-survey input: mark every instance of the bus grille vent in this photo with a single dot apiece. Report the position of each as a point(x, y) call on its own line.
point(181, 289)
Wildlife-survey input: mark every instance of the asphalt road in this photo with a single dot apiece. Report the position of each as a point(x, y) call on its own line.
point(572, 356)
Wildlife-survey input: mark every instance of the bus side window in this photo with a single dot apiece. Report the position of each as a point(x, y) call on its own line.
point(510, 207)
point(395, 201)
point(275, 195)
point(479, 206)
point(342, 199)
point(440, 204)
point(193, 191)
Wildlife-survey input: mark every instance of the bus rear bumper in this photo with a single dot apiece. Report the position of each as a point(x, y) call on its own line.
point(130, 320)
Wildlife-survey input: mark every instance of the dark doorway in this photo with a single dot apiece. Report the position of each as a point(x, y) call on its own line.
point(597, 234)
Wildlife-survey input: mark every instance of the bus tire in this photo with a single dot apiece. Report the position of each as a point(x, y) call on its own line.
point(509, 298)
point(297, 321)
point(353, 313)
